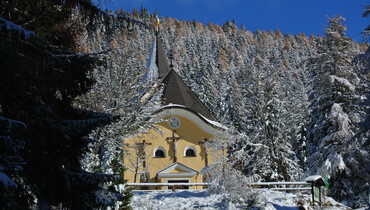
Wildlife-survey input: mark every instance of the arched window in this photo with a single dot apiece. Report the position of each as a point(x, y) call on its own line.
point(159, 152)
point(190, 151)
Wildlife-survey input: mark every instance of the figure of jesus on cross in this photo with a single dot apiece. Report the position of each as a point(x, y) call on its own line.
point(174, 139)
point(204, 143)
point(142, 147)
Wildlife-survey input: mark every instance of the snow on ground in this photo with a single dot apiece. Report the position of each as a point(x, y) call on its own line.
point(201, 199)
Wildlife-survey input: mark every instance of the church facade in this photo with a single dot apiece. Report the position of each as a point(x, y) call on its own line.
point(175, 150)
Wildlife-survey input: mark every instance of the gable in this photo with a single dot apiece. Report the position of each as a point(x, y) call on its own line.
point(177, 170)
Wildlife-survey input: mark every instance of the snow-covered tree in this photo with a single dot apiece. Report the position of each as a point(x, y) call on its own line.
point(225, 178)
point(137, 158)
point(46, 136)
point(119, 90)
point(13, 194)
point(268, 151)
point(334, 113)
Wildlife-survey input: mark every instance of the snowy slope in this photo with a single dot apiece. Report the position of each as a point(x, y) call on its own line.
point(201, 199)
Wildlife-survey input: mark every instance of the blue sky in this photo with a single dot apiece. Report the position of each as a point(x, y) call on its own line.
point(289, 16)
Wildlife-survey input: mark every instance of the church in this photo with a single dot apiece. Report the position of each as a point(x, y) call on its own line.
point(176, 151)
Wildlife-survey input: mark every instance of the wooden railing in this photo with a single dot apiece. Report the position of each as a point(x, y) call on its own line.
point(167, 184)
point(315, 181)
point(268, 185)
point(271, 185)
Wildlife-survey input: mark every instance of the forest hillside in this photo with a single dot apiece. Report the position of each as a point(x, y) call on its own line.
point(295, 105)
point(300, 101)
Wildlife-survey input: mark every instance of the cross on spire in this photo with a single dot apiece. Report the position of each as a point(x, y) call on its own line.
point(174, 139)
point(156, 24)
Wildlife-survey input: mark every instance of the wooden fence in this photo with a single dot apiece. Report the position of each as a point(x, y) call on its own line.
point(314, 181)
point(268, 185)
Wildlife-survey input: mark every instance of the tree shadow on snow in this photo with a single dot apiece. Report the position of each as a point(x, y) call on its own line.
point(277, 207)
point(182, 194)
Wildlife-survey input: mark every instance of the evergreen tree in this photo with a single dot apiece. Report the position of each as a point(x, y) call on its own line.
point(268, 153)
point(334, 109)
point(13, 193)
point(45, 134)
point(225, 177)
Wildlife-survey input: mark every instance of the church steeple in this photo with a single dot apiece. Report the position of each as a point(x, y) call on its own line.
point(162, 62)
point(175, 90)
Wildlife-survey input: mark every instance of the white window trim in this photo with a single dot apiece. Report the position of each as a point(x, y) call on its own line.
point(159, 148)
point(190, 147)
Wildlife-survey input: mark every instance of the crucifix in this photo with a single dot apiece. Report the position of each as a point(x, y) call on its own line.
point(142, 151)
point(174, 139)
point(205, 150)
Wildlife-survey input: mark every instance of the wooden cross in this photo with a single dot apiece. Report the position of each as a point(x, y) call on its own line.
point(205, 150)
point(174, 139)
point(143, 151)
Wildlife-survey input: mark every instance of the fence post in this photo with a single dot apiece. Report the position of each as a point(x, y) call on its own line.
point(313, 195)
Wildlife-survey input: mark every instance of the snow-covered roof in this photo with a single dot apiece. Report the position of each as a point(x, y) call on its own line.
point(316, 180)
point(312, 178)
point(172, 105)
point(215, 123)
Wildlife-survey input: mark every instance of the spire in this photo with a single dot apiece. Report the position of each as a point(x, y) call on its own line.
point(162, 61)
point(157, 64)
point(175, 90)
point(152, 75)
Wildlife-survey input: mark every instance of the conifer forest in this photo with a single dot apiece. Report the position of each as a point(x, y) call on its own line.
point(295, 105)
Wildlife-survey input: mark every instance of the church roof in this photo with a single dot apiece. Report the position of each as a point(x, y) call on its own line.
point(175, 90)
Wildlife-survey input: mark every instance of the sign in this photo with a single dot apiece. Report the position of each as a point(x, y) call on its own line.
point(316, 193)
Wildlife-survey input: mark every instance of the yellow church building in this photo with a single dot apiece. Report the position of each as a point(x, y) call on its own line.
point(176, 150)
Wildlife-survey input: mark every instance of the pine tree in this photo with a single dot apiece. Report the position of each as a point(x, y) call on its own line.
point(13, 194)
point(268, 153)
point(335, 103)
point(41, 75)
